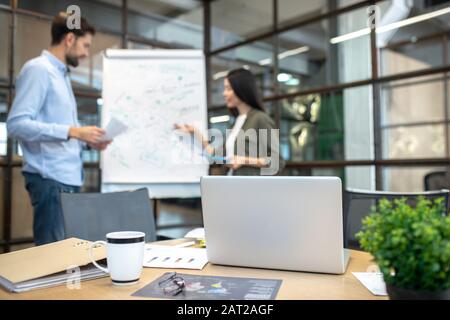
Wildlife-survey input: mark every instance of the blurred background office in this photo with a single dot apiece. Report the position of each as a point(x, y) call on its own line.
point(368, 105)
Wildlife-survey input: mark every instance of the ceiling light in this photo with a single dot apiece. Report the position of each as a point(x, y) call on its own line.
point(220, 75)
point(284, 55)
point(293, 52)
point(219, 119)
point(391, 26)
point(284, 77)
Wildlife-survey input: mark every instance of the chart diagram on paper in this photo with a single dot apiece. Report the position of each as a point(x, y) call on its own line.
point(149, 91)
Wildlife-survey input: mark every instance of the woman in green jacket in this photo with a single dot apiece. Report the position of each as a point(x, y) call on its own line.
point(244, 102)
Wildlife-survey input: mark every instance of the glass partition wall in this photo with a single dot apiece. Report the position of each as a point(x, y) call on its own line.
point(358, 89)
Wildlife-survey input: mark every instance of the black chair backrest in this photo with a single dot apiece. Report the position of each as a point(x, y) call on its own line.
point(357, 205)
point(436, 181)
point(90, 216)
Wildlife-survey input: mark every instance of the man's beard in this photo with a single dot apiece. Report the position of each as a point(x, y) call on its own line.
point(72, 61)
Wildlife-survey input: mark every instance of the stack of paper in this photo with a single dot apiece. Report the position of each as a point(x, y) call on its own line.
point(373, 281)
point(62, 262)
point(71, 278)
point(174, 257)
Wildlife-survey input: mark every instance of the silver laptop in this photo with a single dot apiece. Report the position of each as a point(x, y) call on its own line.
point(285, 223)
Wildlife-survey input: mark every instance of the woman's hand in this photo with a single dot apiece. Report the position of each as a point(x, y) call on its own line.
point(235, 162)
point(186, 128)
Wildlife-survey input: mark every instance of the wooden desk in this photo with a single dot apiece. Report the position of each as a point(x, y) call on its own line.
point(295, 285)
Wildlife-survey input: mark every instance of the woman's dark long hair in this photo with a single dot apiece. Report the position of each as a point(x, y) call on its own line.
point(243, 83)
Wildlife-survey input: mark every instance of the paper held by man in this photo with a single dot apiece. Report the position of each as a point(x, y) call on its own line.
point(114, 128)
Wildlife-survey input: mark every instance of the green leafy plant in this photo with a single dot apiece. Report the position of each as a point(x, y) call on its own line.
point(411, 245)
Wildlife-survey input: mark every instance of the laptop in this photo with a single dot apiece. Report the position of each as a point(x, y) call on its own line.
point(283, 223)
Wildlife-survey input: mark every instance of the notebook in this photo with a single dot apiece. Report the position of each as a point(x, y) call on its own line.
point(63, 262)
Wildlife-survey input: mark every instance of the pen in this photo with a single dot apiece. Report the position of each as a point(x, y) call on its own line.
point(214, 158)
point(185, 244)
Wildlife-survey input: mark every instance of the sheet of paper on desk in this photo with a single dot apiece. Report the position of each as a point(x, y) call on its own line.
point(373, 281)
point(174, 257)
point(114, 128)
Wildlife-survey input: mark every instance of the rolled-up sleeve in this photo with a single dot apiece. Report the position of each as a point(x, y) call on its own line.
point(31, 90)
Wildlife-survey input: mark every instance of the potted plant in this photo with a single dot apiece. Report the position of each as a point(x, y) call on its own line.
point(411, 246)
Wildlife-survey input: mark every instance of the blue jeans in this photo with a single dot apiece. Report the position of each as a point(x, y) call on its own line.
point(48, 223)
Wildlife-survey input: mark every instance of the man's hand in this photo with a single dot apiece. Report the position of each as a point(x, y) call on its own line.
point(100, 146)
point(91, 135)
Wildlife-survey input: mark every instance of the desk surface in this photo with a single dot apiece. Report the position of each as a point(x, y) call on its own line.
point(295, 285)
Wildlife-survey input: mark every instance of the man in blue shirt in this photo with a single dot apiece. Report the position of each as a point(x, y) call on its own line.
point(44, 119)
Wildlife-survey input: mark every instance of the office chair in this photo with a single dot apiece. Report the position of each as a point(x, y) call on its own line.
point(90, 216)
point(436, 181)
point(357, 205)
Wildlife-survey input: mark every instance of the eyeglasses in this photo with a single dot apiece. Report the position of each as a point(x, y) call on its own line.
point(172, 285)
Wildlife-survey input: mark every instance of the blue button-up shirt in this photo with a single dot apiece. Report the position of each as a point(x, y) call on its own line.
point(43, 111)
